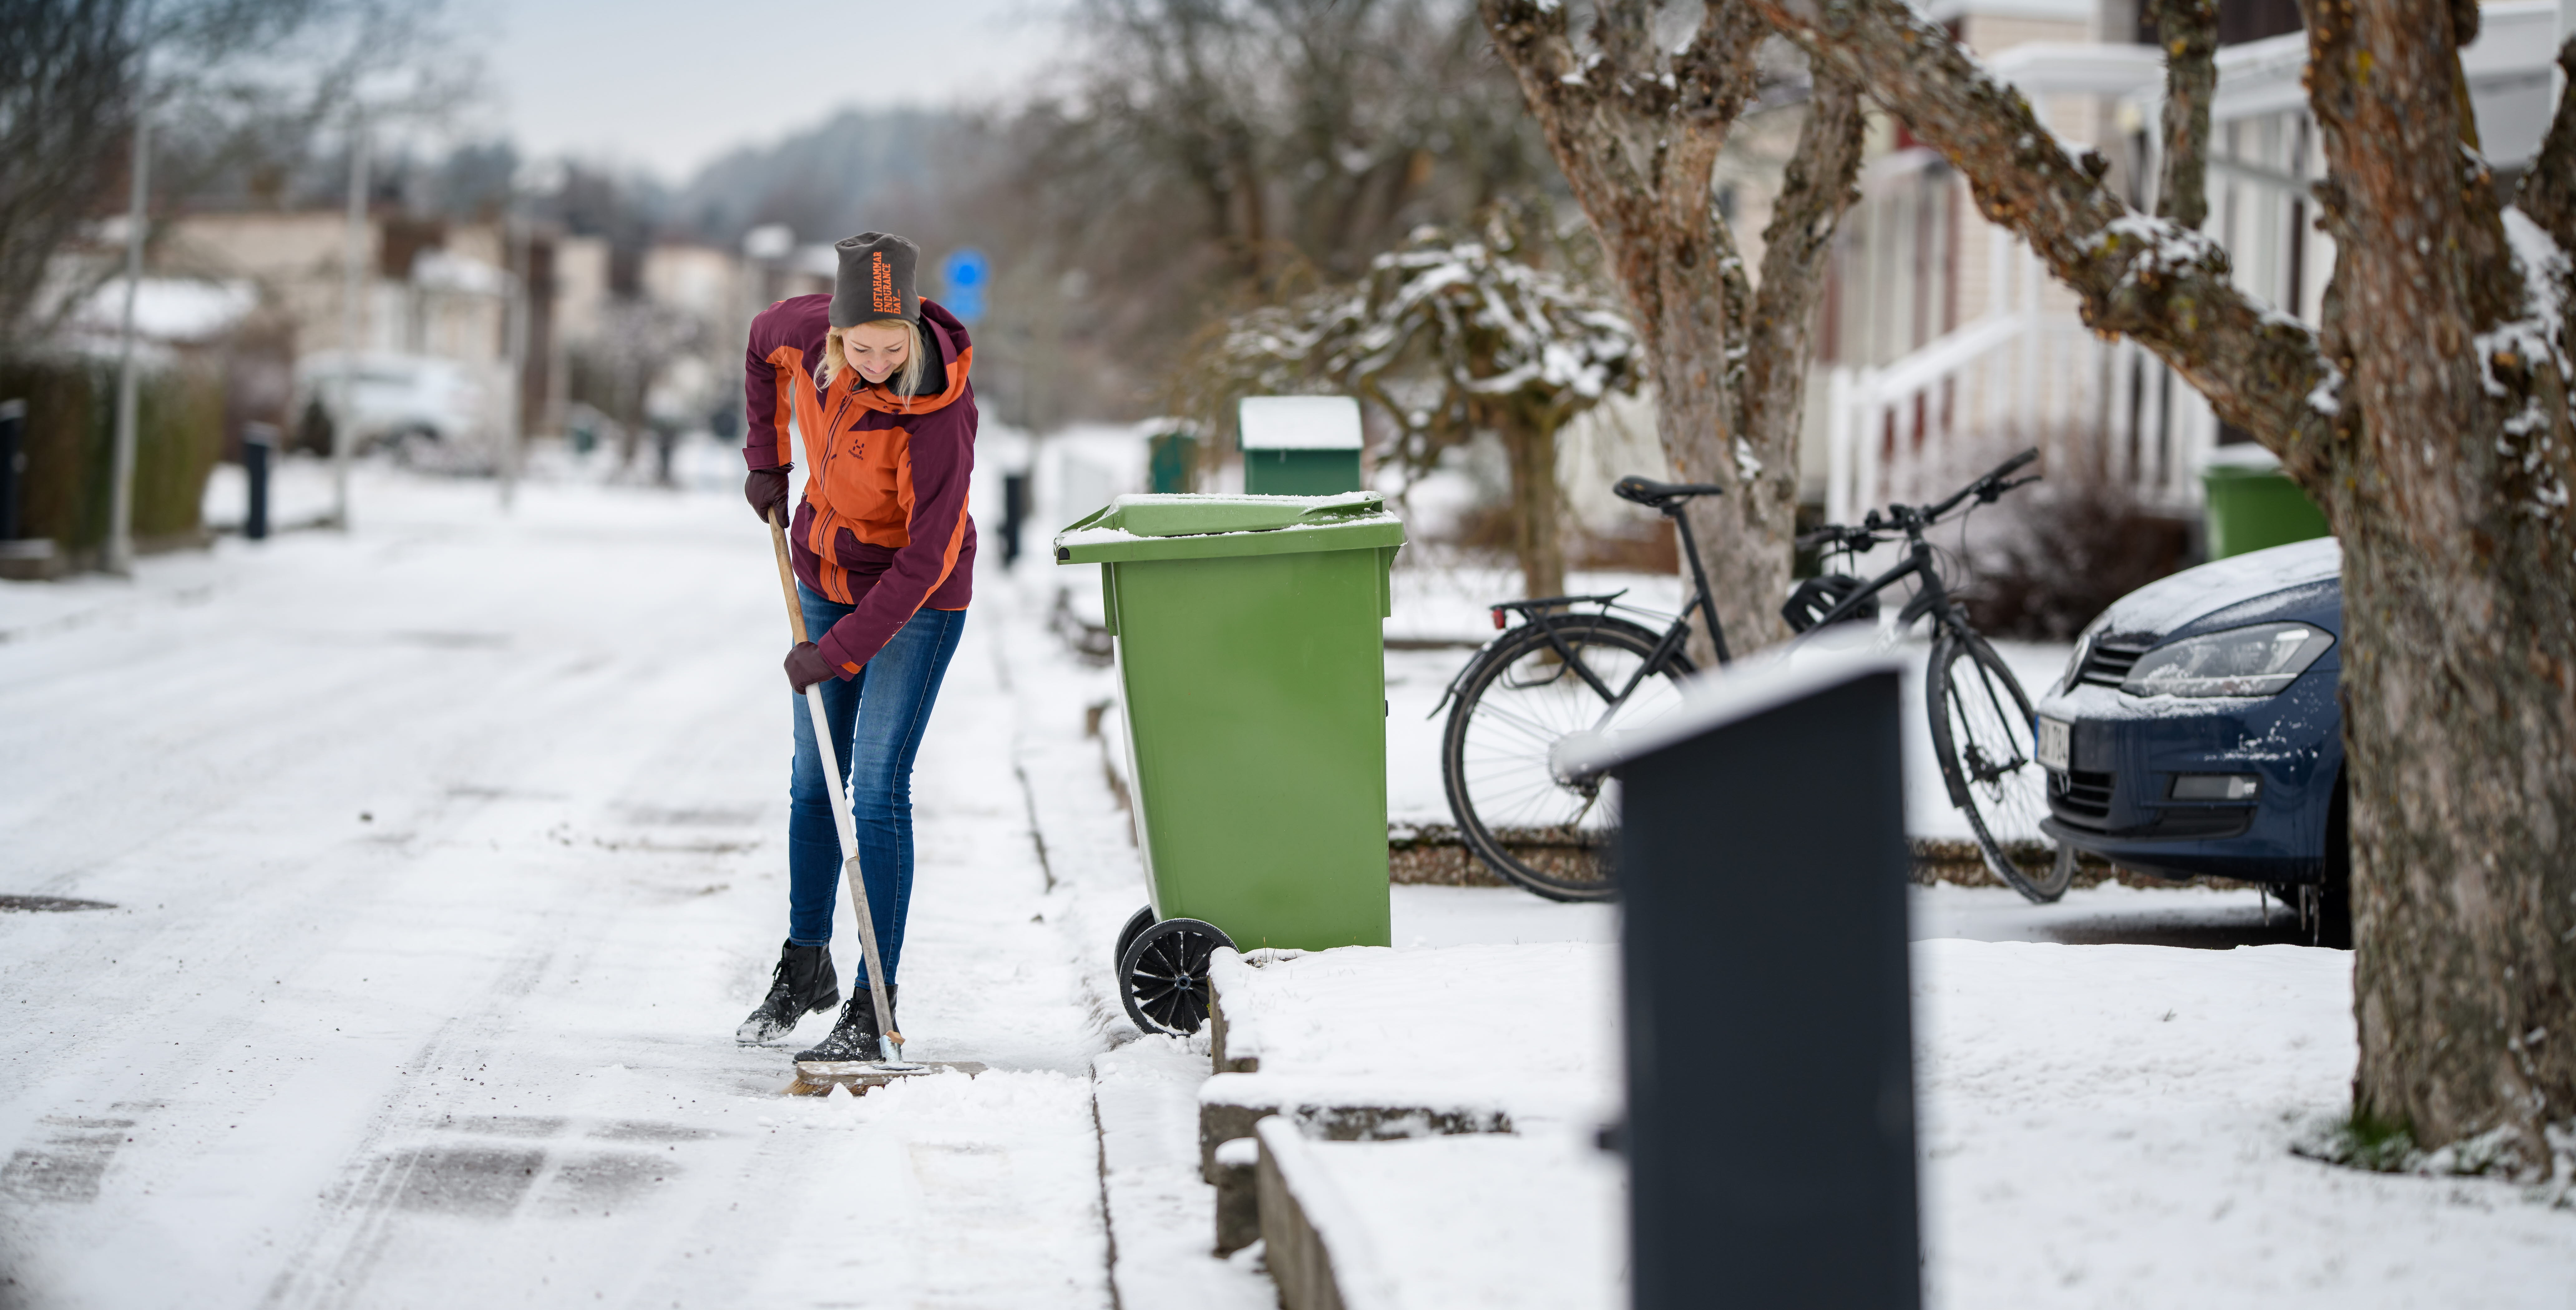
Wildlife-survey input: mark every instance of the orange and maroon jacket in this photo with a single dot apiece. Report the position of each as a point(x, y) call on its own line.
point(883, 525)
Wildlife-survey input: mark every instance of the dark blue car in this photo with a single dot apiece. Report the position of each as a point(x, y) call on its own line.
point(2196, 731)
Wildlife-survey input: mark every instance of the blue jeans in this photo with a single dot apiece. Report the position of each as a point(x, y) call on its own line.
point(876, 718)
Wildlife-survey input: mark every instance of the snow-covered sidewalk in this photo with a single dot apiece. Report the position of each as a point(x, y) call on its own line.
point(445, 857)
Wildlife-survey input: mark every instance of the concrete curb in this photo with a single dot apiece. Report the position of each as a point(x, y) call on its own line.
point(1237, 1097)
point(1234, 1105)
point(1299, 1259)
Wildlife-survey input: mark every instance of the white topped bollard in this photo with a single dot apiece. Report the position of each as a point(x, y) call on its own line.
point(1299, 445)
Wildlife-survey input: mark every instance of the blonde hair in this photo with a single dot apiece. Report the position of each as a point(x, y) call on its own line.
point(915, 355)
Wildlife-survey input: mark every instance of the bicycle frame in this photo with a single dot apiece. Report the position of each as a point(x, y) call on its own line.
point(1557, 623)
point(1674, 638)
point(1931, 598)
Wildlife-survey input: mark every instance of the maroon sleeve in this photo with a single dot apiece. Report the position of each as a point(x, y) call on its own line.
point(773, 361)
point(940, 459)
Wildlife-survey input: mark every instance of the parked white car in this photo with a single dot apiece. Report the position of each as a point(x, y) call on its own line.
point(420, 407)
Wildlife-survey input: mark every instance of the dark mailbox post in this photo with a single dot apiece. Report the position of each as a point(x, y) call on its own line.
point(13, 464)
point(259, 453)
point(1763, 869)
point(1015, 513)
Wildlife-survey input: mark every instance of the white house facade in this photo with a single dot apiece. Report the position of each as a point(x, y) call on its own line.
point(1945, 344)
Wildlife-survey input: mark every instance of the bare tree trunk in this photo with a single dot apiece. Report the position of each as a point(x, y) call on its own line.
point(1817, 187)
point(2459, 607)
point(1537, 539)
point(1636, 132)
point(2443, 453)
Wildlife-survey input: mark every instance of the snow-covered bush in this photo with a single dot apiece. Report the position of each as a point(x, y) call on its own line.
point(1448, 337)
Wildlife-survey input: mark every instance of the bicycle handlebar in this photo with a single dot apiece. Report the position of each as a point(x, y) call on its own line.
point(1874, 529)
point(1834, 535)
point(1985, 488)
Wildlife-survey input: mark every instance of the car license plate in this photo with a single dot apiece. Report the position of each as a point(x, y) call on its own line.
point(2056, 747)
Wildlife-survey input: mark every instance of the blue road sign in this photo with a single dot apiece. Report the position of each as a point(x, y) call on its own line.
point(965, 273)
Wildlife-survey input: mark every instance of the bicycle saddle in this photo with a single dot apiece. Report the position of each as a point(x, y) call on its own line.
point(1660, 494)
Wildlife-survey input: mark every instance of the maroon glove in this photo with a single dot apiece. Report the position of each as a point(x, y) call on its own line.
point(766, 489)
point(806, 666)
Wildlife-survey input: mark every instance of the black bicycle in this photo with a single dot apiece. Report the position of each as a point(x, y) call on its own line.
point(1561, 671)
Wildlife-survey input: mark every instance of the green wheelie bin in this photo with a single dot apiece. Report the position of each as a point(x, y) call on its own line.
point(1252, 672)
point(2250, 504)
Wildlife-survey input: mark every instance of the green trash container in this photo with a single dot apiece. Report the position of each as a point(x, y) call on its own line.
point(1172, 461)
point(2250, 504)
point(1252, 669)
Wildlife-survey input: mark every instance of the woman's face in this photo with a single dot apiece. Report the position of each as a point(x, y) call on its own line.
point(876, 350)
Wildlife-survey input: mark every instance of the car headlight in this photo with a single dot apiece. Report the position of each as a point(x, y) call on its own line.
point(2259, 660)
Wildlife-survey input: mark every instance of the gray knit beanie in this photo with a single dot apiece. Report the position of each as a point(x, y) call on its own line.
point(875, 280)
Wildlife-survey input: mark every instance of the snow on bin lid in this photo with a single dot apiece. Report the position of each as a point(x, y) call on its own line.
point(1145, 515)
point(2243, 459)
point(1177, 526)
point(1299, 423)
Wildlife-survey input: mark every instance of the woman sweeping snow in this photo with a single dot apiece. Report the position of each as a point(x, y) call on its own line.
point(884, 554)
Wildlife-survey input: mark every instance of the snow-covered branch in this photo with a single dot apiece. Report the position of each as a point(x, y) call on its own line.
point(2154, 280)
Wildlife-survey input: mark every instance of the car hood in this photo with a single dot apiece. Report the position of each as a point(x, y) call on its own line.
point(2162, 608)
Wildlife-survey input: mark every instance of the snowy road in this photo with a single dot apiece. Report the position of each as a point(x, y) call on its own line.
point(445, 859)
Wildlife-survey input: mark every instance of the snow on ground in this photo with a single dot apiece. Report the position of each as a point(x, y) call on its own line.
point(1452, 1027)
point(1162, 1223)
point(1525, 1219)
point(2178, 916)
point(2101, 1125)
point(447, 854)
point(2164, 916)
point(446, 857)
point(2109, 1126)
point(1494, 916)
point(1164, 1214)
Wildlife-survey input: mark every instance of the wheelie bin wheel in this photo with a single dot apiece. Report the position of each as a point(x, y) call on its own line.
point(1162, 976)
point(1136, 923)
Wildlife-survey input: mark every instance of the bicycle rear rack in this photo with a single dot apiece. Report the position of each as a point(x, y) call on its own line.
point(1540, 605)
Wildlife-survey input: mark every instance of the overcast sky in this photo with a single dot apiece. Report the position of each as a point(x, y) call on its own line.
point(669, 84)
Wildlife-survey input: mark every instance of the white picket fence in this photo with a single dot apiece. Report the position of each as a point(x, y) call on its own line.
point(1916, 428)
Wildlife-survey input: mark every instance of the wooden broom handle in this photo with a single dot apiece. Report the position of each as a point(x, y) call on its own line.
point(787, 578)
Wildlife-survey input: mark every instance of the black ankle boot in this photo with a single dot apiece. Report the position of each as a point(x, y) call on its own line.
point(802, 984)
point(855, 1036)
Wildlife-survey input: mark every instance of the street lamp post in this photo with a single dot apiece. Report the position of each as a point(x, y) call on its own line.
point(120, 514)
point(515, 311)
point(351, 285)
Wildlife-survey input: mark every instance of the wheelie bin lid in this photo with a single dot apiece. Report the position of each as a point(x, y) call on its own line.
point(1139, 527)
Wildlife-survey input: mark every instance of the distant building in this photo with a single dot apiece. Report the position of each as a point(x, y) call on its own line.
point(435, 302)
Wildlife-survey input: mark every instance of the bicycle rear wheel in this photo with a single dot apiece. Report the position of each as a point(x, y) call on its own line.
point(1555, 838)
point(1981, 734)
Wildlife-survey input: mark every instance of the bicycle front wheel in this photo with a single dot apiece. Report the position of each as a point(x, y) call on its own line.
point(1981, 734)
point(1556, 838)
